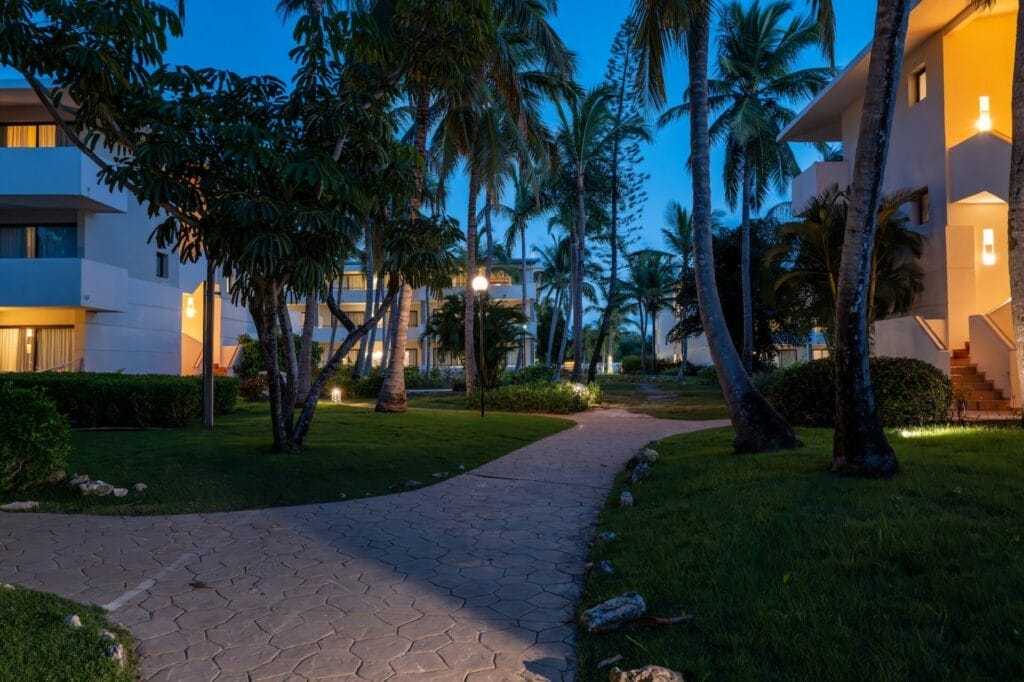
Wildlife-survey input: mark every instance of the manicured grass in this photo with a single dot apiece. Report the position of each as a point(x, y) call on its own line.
point(350, 450)
point(35, 645)
point(791, 573)
point(666, 400)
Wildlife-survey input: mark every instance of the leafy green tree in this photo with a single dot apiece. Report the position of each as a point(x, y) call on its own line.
point(502, 328)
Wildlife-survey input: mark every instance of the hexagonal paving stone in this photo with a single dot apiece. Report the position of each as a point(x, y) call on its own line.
point(306, 633)
point(468, 656)
point(381, 648)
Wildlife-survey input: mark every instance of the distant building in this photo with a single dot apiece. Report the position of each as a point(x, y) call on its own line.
point(950, 142)
point(81, 286)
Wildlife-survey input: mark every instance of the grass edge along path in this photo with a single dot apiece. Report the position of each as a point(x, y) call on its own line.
point(36, 644)
point(350, 453)
point(791, 573)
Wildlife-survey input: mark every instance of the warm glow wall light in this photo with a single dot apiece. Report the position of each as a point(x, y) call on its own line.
point(984, 114)
point(190, 307)
point(988, 246)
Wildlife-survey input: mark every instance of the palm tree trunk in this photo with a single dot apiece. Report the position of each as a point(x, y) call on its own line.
point(555, 310)
point(368, 358)
point(1016, 219)
point(366, 345)
point(860, 447)
point(577, 279)
point(681, 376)
point(561, 351)
point(263, 309)
point(654, 342)
point(470, 313)
point(758, 426)
point(209, 306)
point(643, 339)
point(393, 397)
point(527, 308)
point(334, 323)
point(746, 274)
point(489, 230)
point(305, 374)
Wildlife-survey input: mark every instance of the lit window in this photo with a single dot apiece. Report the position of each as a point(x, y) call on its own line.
point(31, 135)
point(918, 85)
point(162, 266)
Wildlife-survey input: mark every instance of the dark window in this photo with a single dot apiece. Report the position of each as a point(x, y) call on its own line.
point(44, 241)
point(922, 208)
point(918, 85)
point(162, 266)
point(414, 318)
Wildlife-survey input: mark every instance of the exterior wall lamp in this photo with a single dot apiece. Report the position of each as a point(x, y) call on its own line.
point(988, 246)
point(190, 307)
point(984, 113)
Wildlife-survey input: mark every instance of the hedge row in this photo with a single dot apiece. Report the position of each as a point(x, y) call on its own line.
point(34, 438)
point(128, 400)
point(559, 398)
point(909, 392)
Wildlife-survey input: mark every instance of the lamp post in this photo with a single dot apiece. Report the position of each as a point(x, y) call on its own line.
point(480, 285)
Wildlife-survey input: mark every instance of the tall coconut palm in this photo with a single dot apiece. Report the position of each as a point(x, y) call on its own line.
point(678, 235)
point(588, 129)
point(554, 277)
point(758, 47)
point(651, 284)
point(661, 26)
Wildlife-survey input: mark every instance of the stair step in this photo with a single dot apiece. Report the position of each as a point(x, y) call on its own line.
point(989, 405)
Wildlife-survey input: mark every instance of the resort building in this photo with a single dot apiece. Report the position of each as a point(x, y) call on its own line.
point(82, 287)
point(950, 143)
point(351, 292)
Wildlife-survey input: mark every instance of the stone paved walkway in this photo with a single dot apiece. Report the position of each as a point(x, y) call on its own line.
point(474, 578)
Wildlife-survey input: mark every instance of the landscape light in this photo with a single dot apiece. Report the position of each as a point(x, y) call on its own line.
point(988, 246)
point(984, 114)
point(335, 395)
point(480, 283)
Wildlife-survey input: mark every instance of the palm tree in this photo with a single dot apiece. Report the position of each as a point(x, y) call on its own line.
point(587, 132)
point(554, 276)
point(678, 235)
point(811, 249)
point(757, 51)
point(651, 284)
point(665, 24)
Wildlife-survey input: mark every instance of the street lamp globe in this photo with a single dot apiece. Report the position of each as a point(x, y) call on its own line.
point(480, 283)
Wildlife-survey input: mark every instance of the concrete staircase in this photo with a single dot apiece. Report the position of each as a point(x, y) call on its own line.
point(978, 391)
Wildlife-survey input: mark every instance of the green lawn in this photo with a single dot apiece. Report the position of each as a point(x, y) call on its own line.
point(665, 400)
point(36, 645)
point(350, 450)
point(793, 574)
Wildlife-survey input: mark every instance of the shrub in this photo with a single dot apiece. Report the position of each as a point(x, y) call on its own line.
point(707, 376)
point(252, 388)
point(552, 398)
point(631, 364)
point(34, 438)
point(528, 375)
point(129, 400)
point(364, 387)
point(909, 392)
point(250, 361)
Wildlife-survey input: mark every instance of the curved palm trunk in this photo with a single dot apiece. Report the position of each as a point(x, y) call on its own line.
point(489, 230)
point(758, 426)
point(469, 315)
point(1016, 219)
point(860, 447)
point(561, 352)
point(366, 345)
point(368, 358)
point(577, 279)
point(527, 308)
point(392, 394)
point(746, 275)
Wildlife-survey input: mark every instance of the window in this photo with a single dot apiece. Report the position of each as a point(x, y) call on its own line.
point(922, 208)
point(918, 85)
point(43, 241)
point(354, 282)
point(787, 357)
point(162, 265)
point(32, 135)
point(30, 349)
point(412, 357)
point(414, 318)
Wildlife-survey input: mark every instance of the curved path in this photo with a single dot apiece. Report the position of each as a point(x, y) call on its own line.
point(474, 578)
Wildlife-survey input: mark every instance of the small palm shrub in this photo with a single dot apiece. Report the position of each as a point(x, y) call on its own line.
point(707, 376)
point(909, 392)
point(35, 439)
point(552, 398)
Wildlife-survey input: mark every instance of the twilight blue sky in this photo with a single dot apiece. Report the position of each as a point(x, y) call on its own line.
point(247, 36)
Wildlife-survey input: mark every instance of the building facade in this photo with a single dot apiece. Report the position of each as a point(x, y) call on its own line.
point(950, 144)
point(82, 288)
point(351, 291)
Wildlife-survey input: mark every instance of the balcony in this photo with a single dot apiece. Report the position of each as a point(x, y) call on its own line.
point(979, 169)
point(54, 178)
point(816, 179)
point(62, 282)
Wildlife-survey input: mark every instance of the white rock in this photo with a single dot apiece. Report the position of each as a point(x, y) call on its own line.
point(120, 492)
point(650, 673)
point(342, 496)
point(26, 505)
point(107, 636)
point(115, 652)
point(440, 474)
point(98, 488)
point(605, 567)
point(607, 536)
point(625, 500)
point(78, 479)
point(412, 484)
point(139, 487)
point(8, 586)
point(614, 612)
point(73, 621)
point(461, 467)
